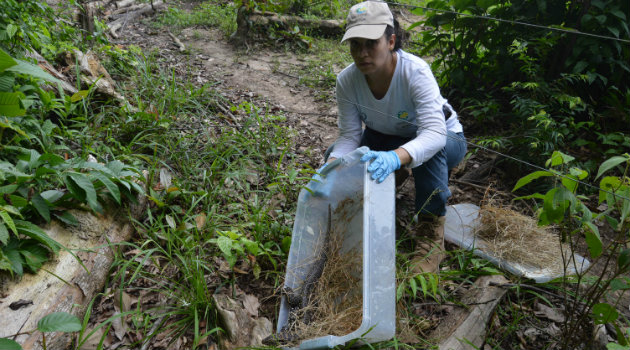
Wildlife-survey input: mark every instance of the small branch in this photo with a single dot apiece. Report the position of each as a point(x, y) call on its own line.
point(181, 46)
point(124, 3)
point(468, 184)
point(129, 16)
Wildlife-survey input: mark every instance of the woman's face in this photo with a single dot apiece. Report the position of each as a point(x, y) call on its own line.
point(371, 56)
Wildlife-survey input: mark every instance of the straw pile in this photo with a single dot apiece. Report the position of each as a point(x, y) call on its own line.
point(337, 304)
point(515, 237)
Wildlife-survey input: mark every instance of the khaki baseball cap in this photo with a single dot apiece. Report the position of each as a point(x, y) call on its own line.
point(368, 20)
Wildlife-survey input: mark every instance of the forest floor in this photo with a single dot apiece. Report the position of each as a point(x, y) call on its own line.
point(273, 78)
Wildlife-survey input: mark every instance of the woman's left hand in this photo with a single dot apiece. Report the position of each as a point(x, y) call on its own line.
point(383, 164)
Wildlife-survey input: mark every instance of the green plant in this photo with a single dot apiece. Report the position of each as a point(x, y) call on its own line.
point(54, 322)
point(28, 25)
point(563, 206)
point(548, 87)
point(36, 183)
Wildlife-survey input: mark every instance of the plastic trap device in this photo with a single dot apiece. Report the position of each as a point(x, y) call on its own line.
point(362, 214)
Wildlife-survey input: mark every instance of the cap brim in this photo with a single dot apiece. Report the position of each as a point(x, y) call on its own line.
point(365, 31)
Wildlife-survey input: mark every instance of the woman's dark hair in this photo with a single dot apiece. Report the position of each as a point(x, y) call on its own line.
point(395, 30)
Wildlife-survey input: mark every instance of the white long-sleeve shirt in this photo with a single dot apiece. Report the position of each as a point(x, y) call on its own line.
point(412, 107)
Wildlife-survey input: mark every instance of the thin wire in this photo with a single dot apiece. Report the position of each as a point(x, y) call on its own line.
point(570, 30)
point(488, 149)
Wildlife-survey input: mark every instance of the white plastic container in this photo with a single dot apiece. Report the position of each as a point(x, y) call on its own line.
point(368, 222)
point(462, 221)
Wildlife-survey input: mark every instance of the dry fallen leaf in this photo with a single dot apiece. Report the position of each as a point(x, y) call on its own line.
point(200, 220)
point(92, 342)
point(553, 314)
point(119, 327)
point(251, 304)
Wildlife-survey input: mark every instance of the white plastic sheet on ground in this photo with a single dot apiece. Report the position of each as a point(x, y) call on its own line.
point(461, 223)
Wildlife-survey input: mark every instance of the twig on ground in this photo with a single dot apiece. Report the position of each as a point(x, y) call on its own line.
point(181, 46)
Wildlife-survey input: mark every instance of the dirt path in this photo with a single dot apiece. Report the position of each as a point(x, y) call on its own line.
point(263, 74)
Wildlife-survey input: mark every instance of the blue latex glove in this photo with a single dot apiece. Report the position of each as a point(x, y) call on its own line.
point(383, 164)
point(317, 183)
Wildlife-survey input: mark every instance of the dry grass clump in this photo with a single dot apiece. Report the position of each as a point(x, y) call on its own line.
point(512, 236)
point(337, 301)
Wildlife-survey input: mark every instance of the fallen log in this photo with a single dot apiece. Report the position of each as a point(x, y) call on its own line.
point(118, 13)
point(45, 65)
point(329, 27)
point(465, 328)
point(132, 15)
point(124, 3)
point(260, 21)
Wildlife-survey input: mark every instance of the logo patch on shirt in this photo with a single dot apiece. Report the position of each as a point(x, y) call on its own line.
point(403, 115)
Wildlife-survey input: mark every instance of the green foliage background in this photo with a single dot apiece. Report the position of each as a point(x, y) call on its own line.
point(543, 89)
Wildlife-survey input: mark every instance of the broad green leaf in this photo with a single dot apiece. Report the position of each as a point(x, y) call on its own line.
point(52, 159)
point(530, 177)
point(558, 158)
point(603, 313)
point(10, 104)
point(28, 229)
point(35, 255)
point(97, 166)
point(115, 166)
point(4, 234)
point(5, 123)
point(557, 201)
point(8, 189)
point(52, 195)
point(570, 182)
point(59, 322)
point(40, 204)
point(251, 246)
point(621, 337)
point(11, 30)
point(8, 221)
point(111, 187)
point(42, 170)
point(90, 193)
point(79, 95)
point(6, 83)
point(611, 163)
point(15, 259)
point(593, 240)
point(225, 245)
point(619, 283)
point(11, 210)
point(608, 184)
point(619, 14)
point(231, 259)
point(578, 173)
point(614, 346)
point(27, 68)
point(67, 218)
point(18, 201)
point(6, 61)
point(74, 189)
point(8, 344)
